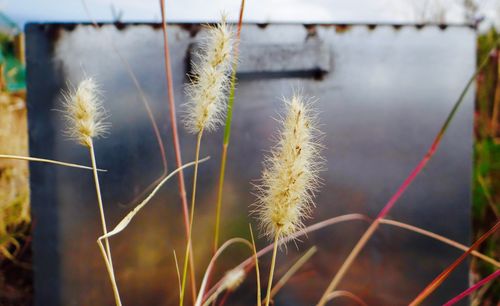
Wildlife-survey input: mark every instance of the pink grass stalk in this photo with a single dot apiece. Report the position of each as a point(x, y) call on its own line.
point(473, 288)
point(177, 148)
point(406, 183)
point(211, 265)
point(248, 263)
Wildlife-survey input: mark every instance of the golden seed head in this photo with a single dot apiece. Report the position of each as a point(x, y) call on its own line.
point(233, 279)
point(84, 113)
point(207, 90)
point(290, 175)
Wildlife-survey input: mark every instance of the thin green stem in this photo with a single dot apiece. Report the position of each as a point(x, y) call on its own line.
point(191, 219)
point(219, 195)
point(227, 129)
point(273, 264)
point(107, 256)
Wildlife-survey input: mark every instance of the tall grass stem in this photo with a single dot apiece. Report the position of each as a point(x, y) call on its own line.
point(227, 128)
point(175, 139)
point(191, 218)
point(273, 265)
point(108, 257)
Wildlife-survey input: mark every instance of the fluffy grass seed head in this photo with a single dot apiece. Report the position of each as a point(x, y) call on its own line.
point(207, 91)
point(290, 176)
point(84, 113)
point(233, 279)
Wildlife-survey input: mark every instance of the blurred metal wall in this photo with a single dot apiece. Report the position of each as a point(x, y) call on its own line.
point(382, 93)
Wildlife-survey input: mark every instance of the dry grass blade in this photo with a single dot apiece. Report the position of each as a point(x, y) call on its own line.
point(125, 221)
point(49, 161)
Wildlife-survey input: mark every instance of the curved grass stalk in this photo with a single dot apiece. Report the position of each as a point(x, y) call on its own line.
point(49, 161)
point(407, 182)
point(441, 239)
point(209, 269)
point(347, 294)
point(227, 128)
point(293, 269)
point(352, 217)
point(248, 263)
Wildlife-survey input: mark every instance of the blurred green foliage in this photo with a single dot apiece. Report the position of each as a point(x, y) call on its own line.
point(13, 69)
point(487, 165)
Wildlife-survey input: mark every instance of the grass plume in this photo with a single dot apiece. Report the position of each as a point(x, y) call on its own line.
point(290, 175)
point(207, 90)
point(85, 115)
point(205, 103)
point(289, 178)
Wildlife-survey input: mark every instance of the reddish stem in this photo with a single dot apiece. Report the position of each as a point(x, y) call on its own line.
point(473, 288)
point(441, 277)
point(175, 138)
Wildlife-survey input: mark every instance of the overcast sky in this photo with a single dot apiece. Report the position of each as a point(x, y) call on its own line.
point(332, 11)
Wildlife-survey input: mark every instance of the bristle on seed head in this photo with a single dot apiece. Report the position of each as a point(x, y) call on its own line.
point(84, 113)
point(207, 92)
point(290, 175)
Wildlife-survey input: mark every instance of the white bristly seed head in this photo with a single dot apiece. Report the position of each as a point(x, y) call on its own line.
point(206, 94)
point(290, 175)
point(233, 279)
point(84, 113)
